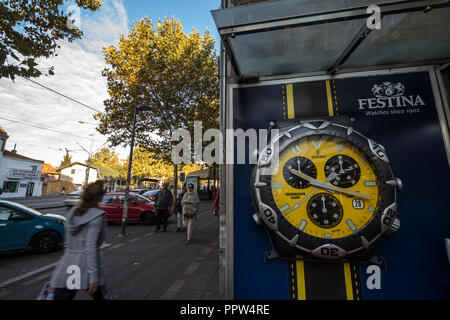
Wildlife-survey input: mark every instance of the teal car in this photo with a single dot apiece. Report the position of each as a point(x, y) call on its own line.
point(23, 228)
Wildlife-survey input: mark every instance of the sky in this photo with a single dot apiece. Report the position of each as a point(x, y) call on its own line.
point(40, 123)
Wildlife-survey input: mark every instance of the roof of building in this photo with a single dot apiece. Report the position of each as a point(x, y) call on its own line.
point(10, 154)
point(75, 163)
point(48, 168)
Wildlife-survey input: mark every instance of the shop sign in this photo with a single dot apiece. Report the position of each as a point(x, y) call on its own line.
point(21, 173)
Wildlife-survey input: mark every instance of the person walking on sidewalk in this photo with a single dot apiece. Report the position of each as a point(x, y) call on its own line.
point(190, 204)
point(163, 202)
point(81, 266)
point(179, 208)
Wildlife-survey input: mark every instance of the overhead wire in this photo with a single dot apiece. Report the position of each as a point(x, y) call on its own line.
point(63, 95)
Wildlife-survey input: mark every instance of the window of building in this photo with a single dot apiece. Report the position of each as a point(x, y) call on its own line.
point(72, 171)
point(10, 186)
point(34, 168)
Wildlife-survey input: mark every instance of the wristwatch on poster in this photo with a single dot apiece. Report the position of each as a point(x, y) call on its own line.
point(329, 195)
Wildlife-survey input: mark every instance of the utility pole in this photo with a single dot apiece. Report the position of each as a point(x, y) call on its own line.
point(86, 181)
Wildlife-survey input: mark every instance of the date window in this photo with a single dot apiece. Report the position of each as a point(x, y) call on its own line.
point(358, 204)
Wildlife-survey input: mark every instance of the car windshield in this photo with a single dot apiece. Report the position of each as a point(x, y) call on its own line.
point(150, 193)
point(141, 199)
point(22, 207)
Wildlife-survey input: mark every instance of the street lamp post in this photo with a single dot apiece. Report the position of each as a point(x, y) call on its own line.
point(141, 107)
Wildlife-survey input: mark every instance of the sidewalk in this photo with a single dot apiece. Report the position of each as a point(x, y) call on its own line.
point(150, 266)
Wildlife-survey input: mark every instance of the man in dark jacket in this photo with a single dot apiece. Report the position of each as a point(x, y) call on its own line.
point(163, 202)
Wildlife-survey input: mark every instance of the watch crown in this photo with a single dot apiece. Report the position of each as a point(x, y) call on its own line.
point(399, 185)
point(257, 218)
point(394, 226)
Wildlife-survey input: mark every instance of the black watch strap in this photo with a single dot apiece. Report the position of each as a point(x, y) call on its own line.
point(317, 280)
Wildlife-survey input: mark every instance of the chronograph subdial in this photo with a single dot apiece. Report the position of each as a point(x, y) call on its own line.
point(347, 170)
point(301, 164)
point(325, 210)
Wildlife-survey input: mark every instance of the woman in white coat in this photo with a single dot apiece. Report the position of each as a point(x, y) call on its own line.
point(190, 204)
point(81, 266)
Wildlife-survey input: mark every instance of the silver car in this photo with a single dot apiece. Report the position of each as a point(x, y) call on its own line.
point(72, 198)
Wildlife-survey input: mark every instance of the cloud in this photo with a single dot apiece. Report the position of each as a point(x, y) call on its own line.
point(78, 68)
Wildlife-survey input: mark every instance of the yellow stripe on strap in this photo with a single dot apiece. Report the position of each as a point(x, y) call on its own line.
point(329, 99)
point(290, 101)
point(348, 281)
point(301, 290)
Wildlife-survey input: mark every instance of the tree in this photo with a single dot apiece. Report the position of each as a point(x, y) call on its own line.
point(66, 160)
point(30, 29)
point(175, 73)
point(147, 165)
point(107, 158)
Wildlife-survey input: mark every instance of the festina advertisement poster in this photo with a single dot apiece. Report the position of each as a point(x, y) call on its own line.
point(397, 110)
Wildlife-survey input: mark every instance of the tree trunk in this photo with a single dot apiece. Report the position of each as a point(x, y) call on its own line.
point(175, 183)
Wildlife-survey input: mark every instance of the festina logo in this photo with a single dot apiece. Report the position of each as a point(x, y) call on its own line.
point(390, 95)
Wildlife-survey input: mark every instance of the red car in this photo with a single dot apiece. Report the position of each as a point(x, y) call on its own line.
point(139, 208)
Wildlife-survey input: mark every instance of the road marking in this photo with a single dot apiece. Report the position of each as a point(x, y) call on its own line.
point(26, 275)
point(207, 251)
point(39, 270)
point(148, 234)
point(37, 279)
point(116, 246)
point(133, 240)
point(191, 268)
point(173, 289)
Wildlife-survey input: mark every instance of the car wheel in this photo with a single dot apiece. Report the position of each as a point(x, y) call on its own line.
point(44, 242)
point(148, 218)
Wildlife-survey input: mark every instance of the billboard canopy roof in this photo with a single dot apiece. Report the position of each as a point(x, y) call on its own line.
point(324, 36)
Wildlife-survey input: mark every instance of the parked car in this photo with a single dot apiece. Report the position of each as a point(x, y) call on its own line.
point(139, 191)
point(151, 195)
point(139, 208)
point(72, 198)
point(23, 228)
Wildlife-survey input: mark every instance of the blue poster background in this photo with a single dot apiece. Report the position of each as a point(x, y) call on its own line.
point(417, 263)
point(398, 111)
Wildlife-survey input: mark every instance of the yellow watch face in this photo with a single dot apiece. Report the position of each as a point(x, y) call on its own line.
point(325, 187)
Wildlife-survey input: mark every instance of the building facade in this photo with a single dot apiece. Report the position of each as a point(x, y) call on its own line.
point(76, 173)
point(20, 176)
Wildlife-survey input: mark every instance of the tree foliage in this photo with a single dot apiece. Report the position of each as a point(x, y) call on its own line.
point(173, 72)
point(147, 165)
point(30, 29)
point(66, 160)
point(107, 158)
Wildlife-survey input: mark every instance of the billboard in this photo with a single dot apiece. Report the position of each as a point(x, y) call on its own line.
point(399, 111)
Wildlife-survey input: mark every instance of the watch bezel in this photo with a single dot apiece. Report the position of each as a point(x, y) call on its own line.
point(293, 241)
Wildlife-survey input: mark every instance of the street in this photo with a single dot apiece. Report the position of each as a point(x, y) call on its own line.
point(142, 265)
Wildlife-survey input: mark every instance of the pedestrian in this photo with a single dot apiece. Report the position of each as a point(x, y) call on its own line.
point(190, 204)
point(63, 191)
point(217, 203)
point(81, 266)
point(179, 208)
point(163, 202)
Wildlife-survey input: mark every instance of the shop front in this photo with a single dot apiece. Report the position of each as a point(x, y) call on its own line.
point(20, 176)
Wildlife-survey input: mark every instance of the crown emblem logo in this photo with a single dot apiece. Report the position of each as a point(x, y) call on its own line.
point(388, 89)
